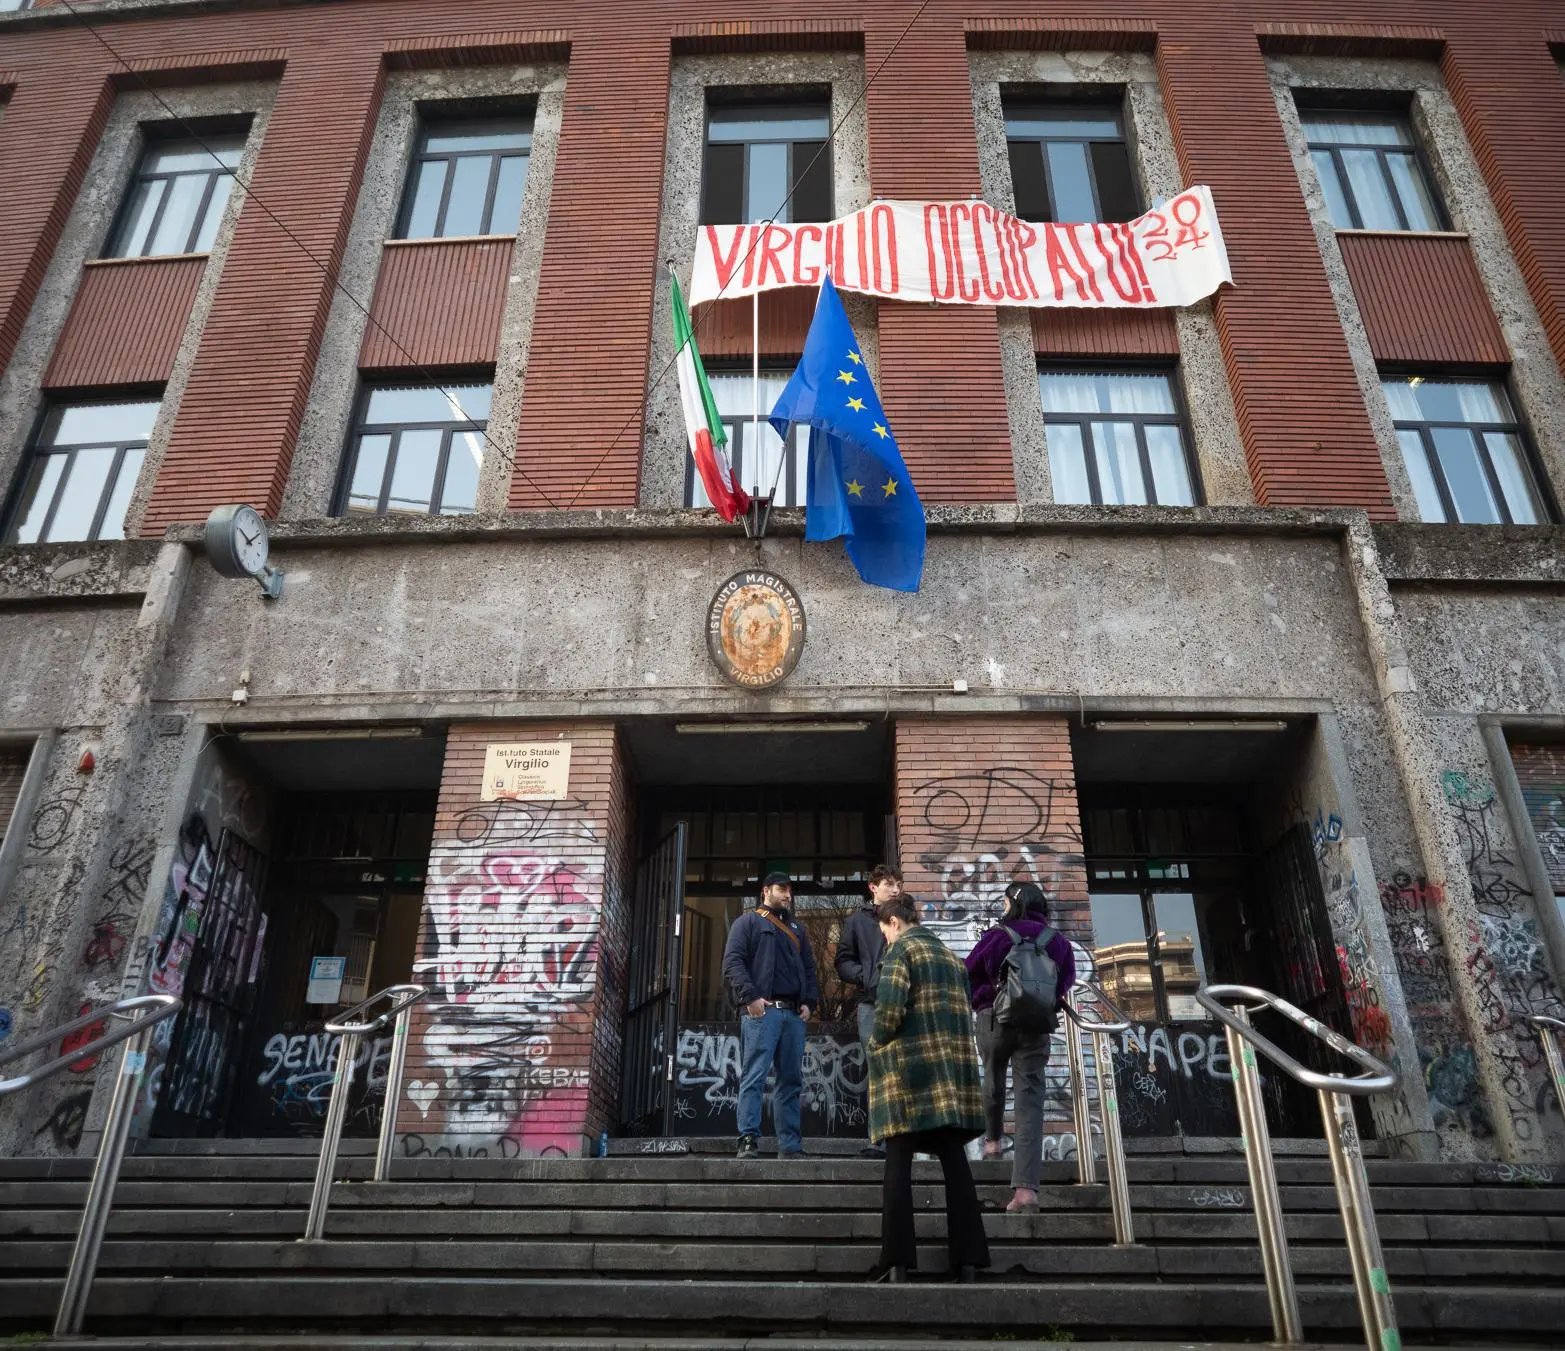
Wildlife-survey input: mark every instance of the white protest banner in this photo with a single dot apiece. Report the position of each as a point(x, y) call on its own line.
point(970, 253)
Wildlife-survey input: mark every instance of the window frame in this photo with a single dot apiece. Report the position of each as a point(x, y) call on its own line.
point(791, 450)
point(1043, 107)
point(1415, 147)
point(158, 141)
point(800, 101)
point(1519, 428)
point(436, 123)
point(37, 451)
point(1179, 418)
point(358, 428)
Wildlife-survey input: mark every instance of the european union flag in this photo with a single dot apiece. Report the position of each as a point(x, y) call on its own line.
point(858, 485)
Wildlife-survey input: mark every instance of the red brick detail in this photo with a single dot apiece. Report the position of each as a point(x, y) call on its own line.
point(190, 68)
point(126, 323)
point(441, 51)
point(1419, 42)
point(724, 329)
point(233, 438)
point(1507, 87)
point(1105, 333)
point(768, 35)
point(579, 441)
point(983, 802)
point(437, 303)
point(515, 1049)
point(939, 376)
point(1100, 34)
point(1422, 300)
point(1306, 431)
point(50, 130)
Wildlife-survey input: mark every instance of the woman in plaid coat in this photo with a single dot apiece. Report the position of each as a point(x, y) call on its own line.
point(923, 1090)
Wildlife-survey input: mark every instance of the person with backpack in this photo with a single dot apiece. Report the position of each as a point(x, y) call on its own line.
point(1020, 970)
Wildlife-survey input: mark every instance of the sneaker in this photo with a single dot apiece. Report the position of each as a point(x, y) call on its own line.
point(993, 1148)
point(1025, 1202)
point(792, 1154)
point(749, 1147)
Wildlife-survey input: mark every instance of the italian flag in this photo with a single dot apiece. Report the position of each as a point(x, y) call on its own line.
point(708, 440)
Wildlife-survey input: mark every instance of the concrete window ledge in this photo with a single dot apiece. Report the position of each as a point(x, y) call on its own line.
point(33, 573)
point(1524, 555)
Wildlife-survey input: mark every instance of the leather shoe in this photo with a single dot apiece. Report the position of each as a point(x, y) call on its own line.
point(889, 1276)
point(965, 1275)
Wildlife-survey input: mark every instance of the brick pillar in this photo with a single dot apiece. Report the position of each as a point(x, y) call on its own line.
point(579, 441)
point(516, 1049)
point(940, 376)
point(1307, 435)
point(1507, 87)
point(48, 132)
point(233, 438)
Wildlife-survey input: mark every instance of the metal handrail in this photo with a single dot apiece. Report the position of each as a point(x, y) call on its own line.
point(111, 1148)
point(1335, 1093)
point(1108, 1104)
point(403, 998)
point(1549, 1030)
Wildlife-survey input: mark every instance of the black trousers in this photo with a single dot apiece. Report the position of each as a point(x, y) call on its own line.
point(965, 1237)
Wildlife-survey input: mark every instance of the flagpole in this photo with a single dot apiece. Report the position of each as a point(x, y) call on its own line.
point(755, 380)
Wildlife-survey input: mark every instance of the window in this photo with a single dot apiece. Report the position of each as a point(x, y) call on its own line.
point(1464, 451)
point(82, 472)
point(1115, 439)
point(784, 466)
point(1069, 162)
point(756, 154)
point(177, 197)
point(467, 179)
point(417, 451)
point(14, 4)
point(1371, 172)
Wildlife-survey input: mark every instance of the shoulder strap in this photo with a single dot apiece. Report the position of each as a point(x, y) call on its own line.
point(1015, 937)
point(779, 926)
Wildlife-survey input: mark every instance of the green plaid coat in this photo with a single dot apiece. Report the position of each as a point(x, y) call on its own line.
point(923, 1064)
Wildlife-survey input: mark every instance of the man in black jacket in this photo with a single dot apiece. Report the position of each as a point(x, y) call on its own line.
point(859, 949)
point(770, 970)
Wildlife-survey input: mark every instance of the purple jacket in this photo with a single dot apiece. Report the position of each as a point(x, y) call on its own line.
point(988, 956)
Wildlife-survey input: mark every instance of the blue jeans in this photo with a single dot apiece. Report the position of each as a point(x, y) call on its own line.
point(866, 1020)
point(776, 1036)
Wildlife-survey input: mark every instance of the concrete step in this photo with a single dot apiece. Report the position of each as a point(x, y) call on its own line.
point(739, 1190)
point(566, 1342)
point(834, 1259)
point(1468, 1230)
point(344, 1303)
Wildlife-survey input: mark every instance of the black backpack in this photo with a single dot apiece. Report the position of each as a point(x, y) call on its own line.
point(1026, 998)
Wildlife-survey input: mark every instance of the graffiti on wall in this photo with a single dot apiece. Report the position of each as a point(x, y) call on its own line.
point(707, 1069)
point(983, 830)
point(295, 1082)
point(1505, 959)
point(509, 951)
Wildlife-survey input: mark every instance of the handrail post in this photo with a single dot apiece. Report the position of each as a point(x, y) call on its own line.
point(1358, 1219)
point(1086, 1166)
point(1548, 1034)
point(394, 1071)
point(1113, 1142)
point(336, 1114)
point(100, 1192)
point(1284, 1299)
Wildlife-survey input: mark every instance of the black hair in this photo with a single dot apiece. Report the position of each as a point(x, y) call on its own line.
point(904, 908)
point(1023, 899)
point(880, 872)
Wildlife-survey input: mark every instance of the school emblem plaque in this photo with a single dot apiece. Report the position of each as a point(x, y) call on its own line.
point(755, 629)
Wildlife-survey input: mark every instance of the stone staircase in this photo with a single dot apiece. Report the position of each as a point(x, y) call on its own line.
point(629, 1250)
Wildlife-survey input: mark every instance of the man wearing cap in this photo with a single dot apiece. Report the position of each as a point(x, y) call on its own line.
point(770, 971)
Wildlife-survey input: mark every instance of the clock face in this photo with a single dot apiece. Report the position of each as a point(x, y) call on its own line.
point(249, 540)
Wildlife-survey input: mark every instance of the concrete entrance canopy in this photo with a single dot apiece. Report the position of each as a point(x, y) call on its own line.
point(589, 625)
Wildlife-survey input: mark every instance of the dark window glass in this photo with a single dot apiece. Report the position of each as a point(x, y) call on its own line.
point(176, 198)
point(776, 468)
point(467, 179)
point(1371, 172)
point(1464, 451)
point(417, 451)
point(82, 471)
point(765, 161)
point(1069, 162)
point(1115, 438)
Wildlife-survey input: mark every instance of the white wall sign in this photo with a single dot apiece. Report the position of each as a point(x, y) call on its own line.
point(535, 773)
point(326, 975)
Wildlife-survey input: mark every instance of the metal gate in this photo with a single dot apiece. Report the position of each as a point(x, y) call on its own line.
point(199, 1076)
point(652, 981)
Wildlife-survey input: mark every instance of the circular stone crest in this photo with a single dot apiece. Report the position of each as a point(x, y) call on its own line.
point(755, 629)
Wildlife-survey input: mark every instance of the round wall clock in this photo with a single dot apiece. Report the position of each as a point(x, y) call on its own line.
point(237, 545)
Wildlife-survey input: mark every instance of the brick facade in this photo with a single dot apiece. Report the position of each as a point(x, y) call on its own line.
point(516, 1048)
